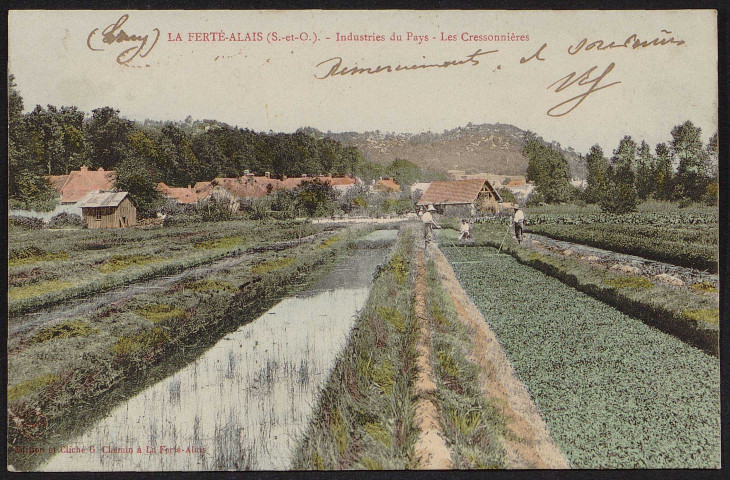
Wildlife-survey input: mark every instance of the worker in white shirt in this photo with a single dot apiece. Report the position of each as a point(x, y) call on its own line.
point(429, 223)
point(465, 230)
point(518, 220)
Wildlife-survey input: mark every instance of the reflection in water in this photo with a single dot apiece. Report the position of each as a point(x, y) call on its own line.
point(242, 404)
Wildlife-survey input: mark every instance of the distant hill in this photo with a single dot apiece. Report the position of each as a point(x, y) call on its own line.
point(475, 149)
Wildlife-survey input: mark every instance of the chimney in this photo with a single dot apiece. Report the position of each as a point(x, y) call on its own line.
point(101, 169)
point(189, 187)
point(245, 172)
point(268, 174)
point(304, 175)
point(284, 177)
point(84, 168)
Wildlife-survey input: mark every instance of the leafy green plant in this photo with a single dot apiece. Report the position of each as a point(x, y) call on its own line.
point(629, 282)
point(704, 287)
point(704, 315)
point(68, 329)
point(224, 242)
point(22, 389)
point(140, 342)
point(159, 312)
point(35, 289)
point(271, 265)
point(33, 254)
point(120, 262)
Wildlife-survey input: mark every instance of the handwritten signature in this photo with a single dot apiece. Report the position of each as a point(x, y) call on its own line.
point(113, 33)
point(335, 67)
point(582, 80)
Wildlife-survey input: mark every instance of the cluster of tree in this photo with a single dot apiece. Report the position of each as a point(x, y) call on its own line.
point(54, 141)
point(548, 168)
point(684, 170)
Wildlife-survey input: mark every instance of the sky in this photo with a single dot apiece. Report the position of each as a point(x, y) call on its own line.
point(244, 76)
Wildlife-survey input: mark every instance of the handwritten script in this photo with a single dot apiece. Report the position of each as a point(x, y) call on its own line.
point(578, 87)
point(334, 66)
point(113, 33)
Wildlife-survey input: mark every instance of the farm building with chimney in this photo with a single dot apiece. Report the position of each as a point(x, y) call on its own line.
point(462, 198)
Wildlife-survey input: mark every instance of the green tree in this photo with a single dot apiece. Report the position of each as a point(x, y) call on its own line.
point(620, 196)
point(315, 198)
point(645, 183)
point(107, 137)
point(597, 175)
point(28, 188)
point(548, 168)
point(507, 195)
point(139, 177)
point(663, 175)
point(405, 173)
point(712, 154)
point(691, 179)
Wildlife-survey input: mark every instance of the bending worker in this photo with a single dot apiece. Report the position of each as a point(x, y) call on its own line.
point(465, 230)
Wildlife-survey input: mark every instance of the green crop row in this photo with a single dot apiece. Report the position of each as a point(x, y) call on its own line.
point(90, 272)
point(688, 247)
point(658, 305)
point(639, 218)
point(614, 392)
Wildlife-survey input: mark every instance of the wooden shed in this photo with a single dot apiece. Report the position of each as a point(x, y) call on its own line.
point(109, 210)
point(462, 198)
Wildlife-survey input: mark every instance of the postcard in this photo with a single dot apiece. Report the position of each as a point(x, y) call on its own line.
point(345, 240)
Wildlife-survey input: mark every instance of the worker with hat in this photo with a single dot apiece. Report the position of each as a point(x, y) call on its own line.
point(429, 223)
point(518, 221)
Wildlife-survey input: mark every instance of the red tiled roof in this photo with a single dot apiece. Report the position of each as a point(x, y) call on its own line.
point(387, 184)
point(180, 194)
point(250, 186)
point(57, 181)
point(81, 182)
point(455, 191)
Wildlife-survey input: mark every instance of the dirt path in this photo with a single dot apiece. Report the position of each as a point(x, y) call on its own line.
point(533, 446)
point(25, 323)
point(431, 450)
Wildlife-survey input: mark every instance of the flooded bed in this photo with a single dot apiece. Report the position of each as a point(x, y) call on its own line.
point(244, 403)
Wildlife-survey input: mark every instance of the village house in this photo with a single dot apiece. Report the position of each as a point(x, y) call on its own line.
point(181, 195)
point(462, 198)
point(231, 189)
point(77, 184)
point(108, 210)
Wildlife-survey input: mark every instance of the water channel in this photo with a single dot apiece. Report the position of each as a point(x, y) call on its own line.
point(246, 401)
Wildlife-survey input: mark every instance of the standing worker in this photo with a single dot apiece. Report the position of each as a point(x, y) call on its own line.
point(518, 220)
point(429, 224)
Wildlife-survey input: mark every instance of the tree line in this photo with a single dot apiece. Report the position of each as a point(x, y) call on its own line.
point(54, 141)
point(683, 170)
